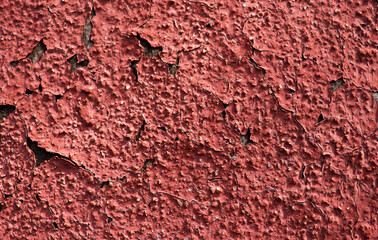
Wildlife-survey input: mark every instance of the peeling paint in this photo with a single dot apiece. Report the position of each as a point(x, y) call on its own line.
point(188, 120)
point(38, 51)
point(6, 110)
point(87, 30)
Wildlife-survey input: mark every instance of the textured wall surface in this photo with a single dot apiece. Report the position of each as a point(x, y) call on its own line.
point(188, 119)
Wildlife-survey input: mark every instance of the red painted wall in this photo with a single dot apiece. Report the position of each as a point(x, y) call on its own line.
point(188, 119)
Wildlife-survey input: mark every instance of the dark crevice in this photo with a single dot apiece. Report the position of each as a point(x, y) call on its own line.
point(254, 63)
point(172, 68)
point(320, 118)
point(335, 85)
point(163, 129)
point(141, 129)
point(375, 96)
point(147, 163)
point(223, 113)
point(263, 72)
point(109, 219)
point(14, 63)
point(41, 154)
point(37, 52)
point(7, 196)
point(257, 66)
point(1, 207)
point(83, 63)
point(29, 92)
point(57, 97)
point(245, 139)
point(74, 64)
point(254, 49)
point(134, 70)
point(105, 183)
point(38, 198)
point(149, 51)
point(6, 110)
point(302, 172)
point(87, 30)
point(55, 225)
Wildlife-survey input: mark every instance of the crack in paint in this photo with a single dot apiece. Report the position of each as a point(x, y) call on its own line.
point(35, 55)
point(6, 110)
point(224, 114)
point(149, 16)
point(172, 68)
point(37, 52)
point(320, 118)
point(149, 51)
point(263, 71)
point(146, 164)
point(141, 129)
point(75, 64)
point(280, 108)
point(14, 63)
point(164, 129)
point(134, 69)
point(57, 97)
point(29, 92)
point(87, 30)
point(335, 85)
point(303, 170)
point(55, 225)
point(41, 155)
point(246, 138)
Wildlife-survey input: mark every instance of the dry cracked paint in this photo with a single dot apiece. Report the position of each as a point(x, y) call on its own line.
point(188, 119)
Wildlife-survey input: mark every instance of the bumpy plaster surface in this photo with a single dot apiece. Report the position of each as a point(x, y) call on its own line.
point(188, 119)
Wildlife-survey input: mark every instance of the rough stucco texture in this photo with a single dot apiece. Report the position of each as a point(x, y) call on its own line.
point(188, 119)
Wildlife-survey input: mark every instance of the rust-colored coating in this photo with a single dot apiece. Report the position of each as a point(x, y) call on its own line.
point(188, 119)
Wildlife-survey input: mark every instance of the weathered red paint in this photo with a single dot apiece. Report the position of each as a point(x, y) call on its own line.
point(189, 119)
